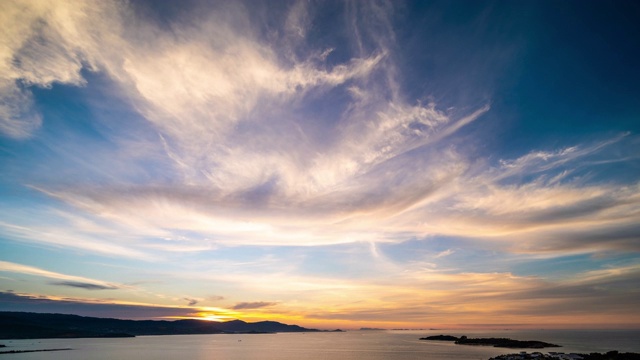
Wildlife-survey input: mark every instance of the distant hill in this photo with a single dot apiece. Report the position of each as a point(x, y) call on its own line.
point(24, 325)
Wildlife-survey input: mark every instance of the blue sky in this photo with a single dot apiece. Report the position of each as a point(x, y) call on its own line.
point(385, 164)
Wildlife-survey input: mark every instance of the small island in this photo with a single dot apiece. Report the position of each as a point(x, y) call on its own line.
point(441, 338)
point(495, 342)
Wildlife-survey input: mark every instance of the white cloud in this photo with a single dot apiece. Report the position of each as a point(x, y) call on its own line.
point(61, 229)
point(550, 212)
point(444, 253)
point(235, 120)
point(43, 43)
point(18, 119)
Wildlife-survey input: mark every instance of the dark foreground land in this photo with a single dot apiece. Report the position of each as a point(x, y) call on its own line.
point(23, 325)
point(28, 351)
point(611, 355)
point(495, 342)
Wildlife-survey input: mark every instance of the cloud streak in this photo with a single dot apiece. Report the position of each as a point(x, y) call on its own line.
point(60, 279)
point(253, 305)
point(84, 285)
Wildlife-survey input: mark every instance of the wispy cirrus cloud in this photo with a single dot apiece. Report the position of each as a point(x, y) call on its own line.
point(444, 197)
point(87, 234)
point(253, 174)
point(45, 43)
point(550, 211)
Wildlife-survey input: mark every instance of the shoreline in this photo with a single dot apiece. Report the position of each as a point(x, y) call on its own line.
point(29, 351)
point(552, 355)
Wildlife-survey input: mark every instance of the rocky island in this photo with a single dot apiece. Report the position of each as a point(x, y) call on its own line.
point(441, 338)
point(495, 342)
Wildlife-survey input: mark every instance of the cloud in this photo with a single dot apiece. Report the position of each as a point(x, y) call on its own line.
point(83, 285)
point(45, 43)
point(252, 305)
point(92, 235)
point(444, 253)
point(441, 298)
point(62, 279)
point(17, 117)
point(416, 296)
point(233, 132)
point(191, 302)
point(440, 194)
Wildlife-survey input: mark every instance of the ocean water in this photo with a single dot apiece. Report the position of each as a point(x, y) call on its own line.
point(351, 345)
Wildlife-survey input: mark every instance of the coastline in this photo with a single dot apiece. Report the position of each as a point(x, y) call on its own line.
point(30, 351)
point(552, 355)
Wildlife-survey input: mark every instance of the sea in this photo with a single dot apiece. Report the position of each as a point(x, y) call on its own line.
point(349, 345)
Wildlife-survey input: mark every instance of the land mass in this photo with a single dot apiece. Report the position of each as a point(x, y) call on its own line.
point(495, 342)
point(28, 351)
point(24, 325)
point(441, 338)
point(611, 355)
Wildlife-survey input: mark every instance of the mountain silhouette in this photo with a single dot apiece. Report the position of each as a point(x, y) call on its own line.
point(25, 325)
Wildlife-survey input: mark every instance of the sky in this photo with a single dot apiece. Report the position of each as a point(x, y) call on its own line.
point(331, 164)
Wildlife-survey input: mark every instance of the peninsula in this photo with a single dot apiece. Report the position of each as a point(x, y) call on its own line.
point(495, 342)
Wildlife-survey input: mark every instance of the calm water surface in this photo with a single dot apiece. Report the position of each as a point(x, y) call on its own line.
point(352, 345)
